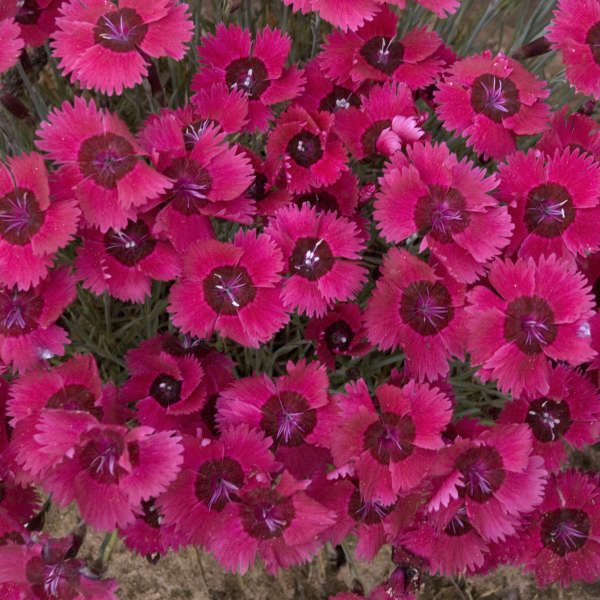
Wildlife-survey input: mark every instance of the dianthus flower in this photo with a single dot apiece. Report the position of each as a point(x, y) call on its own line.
point(207, 178)
point(447, 201)
point(213, 476)
point(489, 100)
point(125, 261)
point(562, 543)
point(417, 309)
point(107, 46)
point(35, 18)
point(575, 31)
point(215, 103)
point(341, 331)
point(255, 67)
point(12, 43)
point(103, 163)
point(566, 416)
point(392, 449)
point(231, 288)
point(321, 251)
point(540, 311)
point(32, 225)
point(554, 203)
point(360, 128)
point(375, 53)
point(304, 147)
point(107, 469)
point(28, 333)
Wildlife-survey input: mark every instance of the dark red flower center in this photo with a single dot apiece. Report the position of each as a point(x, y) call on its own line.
point(338, 99)
point(257, 190)
point(218, 481)
point(305, 148)
point(130, 245)
point(441, 213)
point(151, 513)
point(166, 390)
point(549, 210)
point(592, 39)
point(426, 307)
point(530, 324)
point(565, 530)
point(383, 53)
point(459, 524)
point(248, 75)
point(120, 31)
point(322, 200)
point(192, 185)
point(370, 136)
point(288, 418)
point(495, 97)
point(265, 513)
point(106, 158)
point(20, 217)
point(311, 258)
point(19, 312)
point(186, 346)
point(338, 336)
point(228, 289)
point(482, 472)
point(390, 438)
point(75, 396)
point(55, 580)
point(29, 12)
point(100, 455)
point(367, 511)
point(548, 419)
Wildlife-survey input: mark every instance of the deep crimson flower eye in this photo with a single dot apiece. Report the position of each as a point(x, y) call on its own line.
point(120, 31)
point(217, 480)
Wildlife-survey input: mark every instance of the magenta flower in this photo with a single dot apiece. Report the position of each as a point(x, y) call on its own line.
point(287, 409)
point(575, 31)
point(107, 46)
point(12, 43)
point(562, 542)
point(321, 251)
point(361, 129)
point(32, 226)
point(540, 311)
point(231, 288)
point(447, 201)
point(304, 148)
point(254, 67)
point(215, 475)
point(215, 103)
point(566, 416)
point(35, 18)
point(341, 331)
point(103, 163)
point(415, 308)
point(28, 333)
point(392, 449)
point(124, 262)
point(373, 52)
point(490, 100)
point(554, 203)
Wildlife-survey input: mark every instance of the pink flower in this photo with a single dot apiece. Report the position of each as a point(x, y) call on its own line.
point(12, 43)
point(375, 53)
point(32, 225)
point(539, 311)
point(28, 333)
point(107, 46)
point(562, 542)
point(575, 31)
point(124, 262)
point(304, 148)
point(35, 18)
point(554, 203)
point(490, 100)
point(447, 201)
point(102, 161)
point(321, 251)
point(218, 103)
point(415, 308)
point(255, 67)
point(230, 288)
